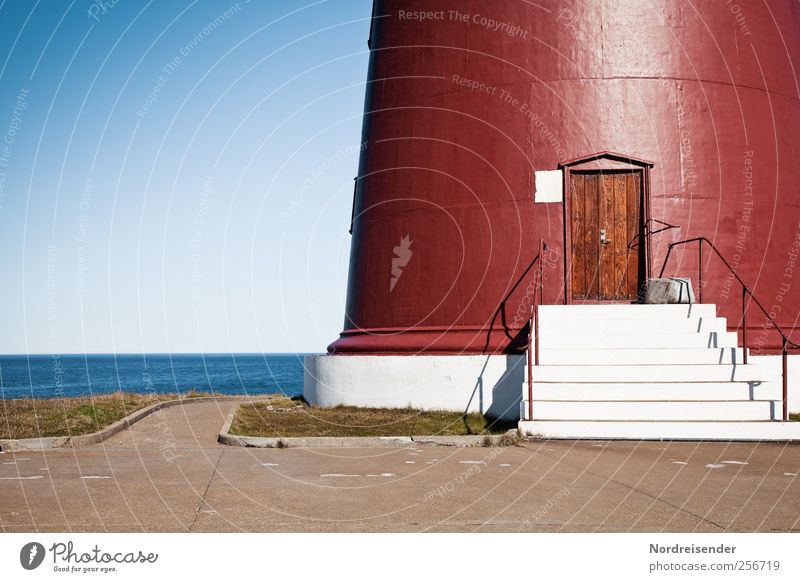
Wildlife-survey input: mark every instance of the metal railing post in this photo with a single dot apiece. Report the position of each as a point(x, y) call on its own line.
point(530, 370)
point(784, 363)
point(533, 325)
point(536, 303)
point(700, 272)
point(744, 323)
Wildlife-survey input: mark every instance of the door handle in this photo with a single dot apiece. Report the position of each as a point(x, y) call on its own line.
point(603, 239)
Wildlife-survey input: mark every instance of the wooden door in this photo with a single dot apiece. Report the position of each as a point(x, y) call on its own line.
point(605, 210)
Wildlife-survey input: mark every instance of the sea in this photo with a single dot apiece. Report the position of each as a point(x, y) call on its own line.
point(56, 376)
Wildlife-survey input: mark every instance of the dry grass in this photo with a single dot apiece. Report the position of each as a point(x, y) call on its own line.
point(31, 418)
point(283, 417)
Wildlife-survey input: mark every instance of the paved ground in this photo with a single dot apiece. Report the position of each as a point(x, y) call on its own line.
point(168, 474)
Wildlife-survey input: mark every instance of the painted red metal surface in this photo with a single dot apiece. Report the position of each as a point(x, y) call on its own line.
point(466, 100)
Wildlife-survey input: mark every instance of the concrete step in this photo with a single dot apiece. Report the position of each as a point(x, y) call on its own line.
point(626, 311)
point(640, 340)
point(655, 410)
point(649, 372)
point(653, 373)
point(619, 356)
point(556, 325)
point(656, 391)
point(702, 431)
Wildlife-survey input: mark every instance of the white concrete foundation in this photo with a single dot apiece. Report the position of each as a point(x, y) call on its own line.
point(606, 371)
point(490, 385)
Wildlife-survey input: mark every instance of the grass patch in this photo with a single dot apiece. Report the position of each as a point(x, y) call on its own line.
point(49, 417)
point(795, 416)
point(283, 417)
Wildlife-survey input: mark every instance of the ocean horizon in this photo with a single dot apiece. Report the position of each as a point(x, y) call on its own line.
point(69, 375)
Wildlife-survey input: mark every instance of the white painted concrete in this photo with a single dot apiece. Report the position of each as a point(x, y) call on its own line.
point(653, 371)
point(583, 312)
point(656, 373)
point(549, 186)
point(775, 366)
point(608, 371)
point(707, 431)
point(625, 311)
point(618, 357)
point(655, 410)
point(690, 391)
point(485, 384)
point(642, 325)
point(590, 339)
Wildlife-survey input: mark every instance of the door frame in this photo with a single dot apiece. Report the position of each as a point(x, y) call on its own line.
point(602, 162)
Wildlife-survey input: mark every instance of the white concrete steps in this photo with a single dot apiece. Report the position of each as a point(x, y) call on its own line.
point(589, 339)
point(620, 356)
point(664, 430)
point(605, 311)
point(645, 325)
point(649, 372)
point(625, 410)
point(685, 391)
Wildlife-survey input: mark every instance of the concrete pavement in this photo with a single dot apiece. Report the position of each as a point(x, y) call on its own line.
point(168, 473)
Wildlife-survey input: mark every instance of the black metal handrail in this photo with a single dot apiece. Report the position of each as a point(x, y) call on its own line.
point(647, 232)
point(786, 343)
point(501, 308)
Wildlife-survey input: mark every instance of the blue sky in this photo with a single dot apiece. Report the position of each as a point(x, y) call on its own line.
point(177, 176)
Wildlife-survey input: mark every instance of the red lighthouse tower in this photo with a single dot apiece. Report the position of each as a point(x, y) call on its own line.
point(549, 153)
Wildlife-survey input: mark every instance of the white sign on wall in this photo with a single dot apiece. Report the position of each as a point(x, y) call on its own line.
point(548, 186)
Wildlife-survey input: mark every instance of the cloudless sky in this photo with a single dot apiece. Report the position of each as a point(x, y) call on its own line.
point(177, 176)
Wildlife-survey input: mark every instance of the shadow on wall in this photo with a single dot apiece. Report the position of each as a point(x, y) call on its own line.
point(506, 392)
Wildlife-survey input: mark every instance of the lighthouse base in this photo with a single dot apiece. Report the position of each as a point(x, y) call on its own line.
point(490, 385)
